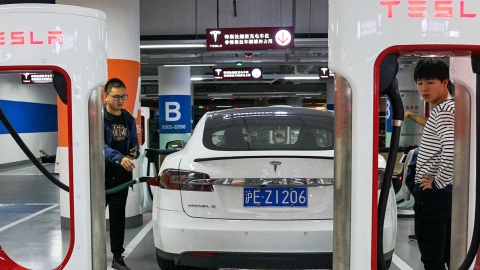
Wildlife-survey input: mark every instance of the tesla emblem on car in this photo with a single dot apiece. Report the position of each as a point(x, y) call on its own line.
point(275, 164)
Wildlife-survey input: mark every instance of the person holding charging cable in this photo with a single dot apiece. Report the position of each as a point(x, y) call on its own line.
point(121, 148)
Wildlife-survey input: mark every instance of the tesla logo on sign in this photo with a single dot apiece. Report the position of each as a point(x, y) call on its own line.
point(215, 33)
point(20, 38)
point(417, 9)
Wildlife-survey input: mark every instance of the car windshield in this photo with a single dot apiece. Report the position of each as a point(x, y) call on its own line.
point(257, 129)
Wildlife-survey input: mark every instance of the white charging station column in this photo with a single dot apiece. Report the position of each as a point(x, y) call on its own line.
point(71, 41)
point(123, 24)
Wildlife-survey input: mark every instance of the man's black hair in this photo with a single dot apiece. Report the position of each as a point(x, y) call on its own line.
point(431, 68)
point(451, 88)
point(114, 83)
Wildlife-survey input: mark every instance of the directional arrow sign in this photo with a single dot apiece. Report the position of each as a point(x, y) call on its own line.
point(283, 38)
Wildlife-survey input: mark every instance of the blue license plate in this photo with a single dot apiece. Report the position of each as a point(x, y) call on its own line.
point(275, 196)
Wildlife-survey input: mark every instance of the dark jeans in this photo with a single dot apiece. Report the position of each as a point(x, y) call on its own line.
point(433, 219)
point(116, 205)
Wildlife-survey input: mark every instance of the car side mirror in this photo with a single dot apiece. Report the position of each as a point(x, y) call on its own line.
point(175, 145)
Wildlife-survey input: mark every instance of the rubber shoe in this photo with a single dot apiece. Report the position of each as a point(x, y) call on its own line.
point(119, 264)
point(412, 238)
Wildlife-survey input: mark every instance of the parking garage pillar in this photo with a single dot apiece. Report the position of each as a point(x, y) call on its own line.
point(330, 96)
point(294, 101)
point(175, 111)
point(123, 28)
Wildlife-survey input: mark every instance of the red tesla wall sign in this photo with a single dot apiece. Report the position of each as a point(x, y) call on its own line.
point(34, 78)
point(418, 9)
point(259, 38)
point(237, 74)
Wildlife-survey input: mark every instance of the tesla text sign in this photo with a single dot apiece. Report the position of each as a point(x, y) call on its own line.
point(34, 78)
point(418, 9)
point(30, 37)
point(237, 74)
point(175, 114)
point(259, 38)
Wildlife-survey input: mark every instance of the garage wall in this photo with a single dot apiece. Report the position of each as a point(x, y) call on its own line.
point(32, 111)
point(177, 17)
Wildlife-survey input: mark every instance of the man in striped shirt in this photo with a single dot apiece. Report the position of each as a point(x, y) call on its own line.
point(434, 172)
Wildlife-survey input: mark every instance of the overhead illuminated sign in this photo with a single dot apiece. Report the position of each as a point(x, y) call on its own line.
point(418, 9)
point(237, 74)
point(32, 38)
point(258, 38)
point(325, 73)
point(36, 78)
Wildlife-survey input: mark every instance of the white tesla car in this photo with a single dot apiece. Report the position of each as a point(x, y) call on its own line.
point(253, 188)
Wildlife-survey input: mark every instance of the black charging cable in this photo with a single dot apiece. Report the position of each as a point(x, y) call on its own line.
point(53, 179)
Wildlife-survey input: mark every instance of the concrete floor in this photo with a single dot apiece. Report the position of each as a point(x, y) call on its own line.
point(30, 230)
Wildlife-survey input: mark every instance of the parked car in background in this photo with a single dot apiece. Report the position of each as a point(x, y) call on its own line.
point(253, 188)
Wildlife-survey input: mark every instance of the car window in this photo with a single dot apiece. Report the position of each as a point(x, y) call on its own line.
point(269, 132)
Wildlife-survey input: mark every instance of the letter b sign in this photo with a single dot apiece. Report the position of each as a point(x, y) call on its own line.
point(175, 114)
point(172, 111)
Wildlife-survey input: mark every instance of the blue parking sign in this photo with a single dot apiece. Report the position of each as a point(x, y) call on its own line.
point(175, 114)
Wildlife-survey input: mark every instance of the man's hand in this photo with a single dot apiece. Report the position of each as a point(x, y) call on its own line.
point(407, 114)
point(127, 164)
point(426, 182)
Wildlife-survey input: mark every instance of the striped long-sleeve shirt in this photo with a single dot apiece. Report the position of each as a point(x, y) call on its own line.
point(436, 148)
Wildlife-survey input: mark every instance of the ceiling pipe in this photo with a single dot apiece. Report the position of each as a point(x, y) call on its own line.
point(235, 8)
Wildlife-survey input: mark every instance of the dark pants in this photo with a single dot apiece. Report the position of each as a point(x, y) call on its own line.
point(116, 205)
point(433, 219)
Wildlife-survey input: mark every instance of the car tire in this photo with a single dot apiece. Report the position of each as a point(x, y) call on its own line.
point(170, 265)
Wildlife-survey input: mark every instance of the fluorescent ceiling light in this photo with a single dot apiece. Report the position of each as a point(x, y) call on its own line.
point(220, 95)
point(301, 77)
point(196, 79)
point(172, 46)
point(221, 106)
point(191, 65)
point(308, 94)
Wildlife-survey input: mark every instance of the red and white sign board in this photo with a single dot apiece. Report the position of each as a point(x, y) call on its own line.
point(37, 78)
point(325, 73)
point(237, 74)
point(258, 38)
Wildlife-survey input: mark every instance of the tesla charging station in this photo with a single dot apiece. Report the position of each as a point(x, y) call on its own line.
point(362, 33)
point(71, 42)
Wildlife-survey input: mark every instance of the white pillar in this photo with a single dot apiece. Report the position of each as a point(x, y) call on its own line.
point(175, 104)
point(330, 96)
point(294, 101)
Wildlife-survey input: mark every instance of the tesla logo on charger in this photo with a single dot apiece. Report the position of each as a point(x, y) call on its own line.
point(418, 9)
point(22, 38)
